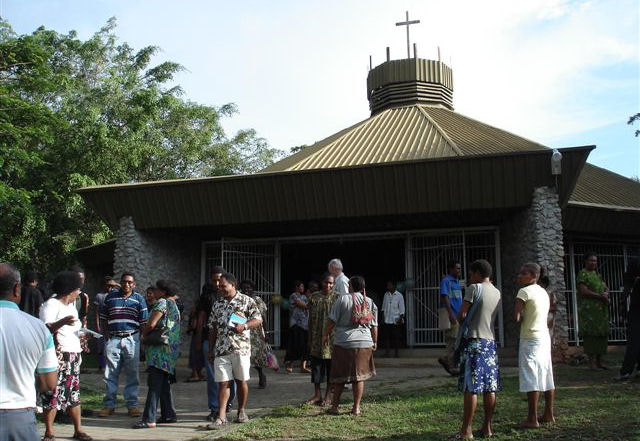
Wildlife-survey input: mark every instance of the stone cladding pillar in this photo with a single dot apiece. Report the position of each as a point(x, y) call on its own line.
point(535, 235)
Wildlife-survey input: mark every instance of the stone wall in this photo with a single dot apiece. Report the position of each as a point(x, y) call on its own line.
point(153, 255)
point(535, 235)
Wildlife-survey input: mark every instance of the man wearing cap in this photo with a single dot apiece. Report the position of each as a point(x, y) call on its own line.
point(125, 311)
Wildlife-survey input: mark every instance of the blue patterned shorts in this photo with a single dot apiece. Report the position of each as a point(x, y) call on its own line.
point(479, 369)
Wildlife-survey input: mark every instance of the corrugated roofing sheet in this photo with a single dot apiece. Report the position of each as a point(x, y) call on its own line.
point(406, 133)
point(602, 187)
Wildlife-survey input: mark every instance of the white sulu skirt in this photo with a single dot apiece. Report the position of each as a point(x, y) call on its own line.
point(535, 366)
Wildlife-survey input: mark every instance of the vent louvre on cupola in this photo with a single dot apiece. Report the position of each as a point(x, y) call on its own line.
point(410, 81)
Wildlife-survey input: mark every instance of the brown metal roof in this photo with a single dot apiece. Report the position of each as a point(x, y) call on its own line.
point(599, 187)
point(406, 133)
point(252, 205)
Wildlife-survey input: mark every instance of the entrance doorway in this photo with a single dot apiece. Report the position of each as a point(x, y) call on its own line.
point(377, 260)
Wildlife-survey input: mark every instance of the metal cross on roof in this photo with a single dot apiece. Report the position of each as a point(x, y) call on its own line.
point(407, 23)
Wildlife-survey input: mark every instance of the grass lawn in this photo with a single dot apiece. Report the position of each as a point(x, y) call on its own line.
point(589, 406)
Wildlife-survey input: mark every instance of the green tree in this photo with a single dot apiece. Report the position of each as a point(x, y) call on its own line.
point(633, 119)
point(76, 113)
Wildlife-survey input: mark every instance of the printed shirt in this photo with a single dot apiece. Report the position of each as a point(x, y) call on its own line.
point(26, 346)
point(165, 357)
point(593, 313)
point(124, 314)
point(319, 308)
point(393, 307)
point(228, 341)
point(299, 316)
point(450, 286)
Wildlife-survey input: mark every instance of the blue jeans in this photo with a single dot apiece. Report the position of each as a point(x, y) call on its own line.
point(18, 425)
point(122, 353)
point(212, 386)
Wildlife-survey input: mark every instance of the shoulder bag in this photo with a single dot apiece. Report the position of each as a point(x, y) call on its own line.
point(463, 331)
point(361, 314)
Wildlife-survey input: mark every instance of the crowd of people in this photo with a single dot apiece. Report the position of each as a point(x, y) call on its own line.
point(333, 333)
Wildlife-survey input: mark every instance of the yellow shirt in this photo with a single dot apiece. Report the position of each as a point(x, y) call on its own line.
point(534, 314)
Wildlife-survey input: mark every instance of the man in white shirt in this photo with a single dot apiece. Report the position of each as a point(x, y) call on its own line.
point(26, 346)
point(341, 282)
point(393, 309)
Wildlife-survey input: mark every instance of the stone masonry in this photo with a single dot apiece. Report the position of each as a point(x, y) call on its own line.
point(153, 255)
point(535, 235)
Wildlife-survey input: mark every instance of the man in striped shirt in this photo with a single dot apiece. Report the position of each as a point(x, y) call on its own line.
point(125, 311)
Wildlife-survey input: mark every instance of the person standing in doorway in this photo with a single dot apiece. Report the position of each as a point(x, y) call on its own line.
point(341, 281)
point(125, 312)
point(298, 329)
point(451, 299)
point(393, 313)
point(31, 297)
point(233, 317)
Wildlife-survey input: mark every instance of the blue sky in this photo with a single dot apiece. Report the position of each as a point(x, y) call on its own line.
point(560, 72)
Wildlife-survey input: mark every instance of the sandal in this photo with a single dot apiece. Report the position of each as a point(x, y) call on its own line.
point(143, 425)
point(82, 436)
point(48, 438)
point(217, 424)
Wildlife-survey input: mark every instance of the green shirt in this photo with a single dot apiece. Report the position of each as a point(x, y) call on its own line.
point(593, 314)
point(319, 307)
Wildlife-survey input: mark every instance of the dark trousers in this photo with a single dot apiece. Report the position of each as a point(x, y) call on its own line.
point(391, 334)
point(159, 383)
point(297, 344)
point(632, 354)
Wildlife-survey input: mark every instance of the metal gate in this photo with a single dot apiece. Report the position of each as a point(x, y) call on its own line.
point(427, 258)
point(613, 259)
point(258, 261)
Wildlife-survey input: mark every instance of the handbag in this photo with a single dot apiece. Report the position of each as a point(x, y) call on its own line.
point(463, 330)
point(361, 314)
point(272, 360)
point(159, 335)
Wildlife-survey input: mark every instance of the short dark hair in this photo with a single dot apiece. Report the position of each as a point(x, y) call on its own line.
point(107, 279)
point(452, 263)
point(169, 287)
point(297, 283)
point(31, 276)
point(230, 278)
point(248, 282)
point(9, 276)
point(77, 268)
point(544, 281)
point(127, 273)
point(481, 266)
point(357, 283)
point(532, 268)
point(217, 270)
point(590, 254)
point(65, 282)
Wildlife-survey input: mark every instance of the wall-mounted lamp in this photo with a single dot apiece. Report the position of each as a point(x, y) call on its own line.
point(556, 162)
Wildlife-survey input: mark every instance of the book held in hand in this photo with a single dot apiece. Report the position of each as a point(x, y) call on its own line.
point(236, 319)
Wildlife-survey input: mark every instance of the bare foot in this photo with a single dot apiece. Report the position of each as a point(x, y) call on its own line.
point(528, 425)
point(546, 420)
point(313, 400)
point(355, 411)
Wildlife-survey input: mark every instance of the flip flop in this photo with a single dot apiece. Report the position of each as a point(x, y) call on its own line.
point(217, 424)
point(48, 438)
point(143, 425)
point(82, 436)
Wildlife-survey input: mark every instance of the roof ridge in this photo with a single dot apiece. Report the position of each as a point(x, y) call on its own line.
point(477, 121)
point(440, 130)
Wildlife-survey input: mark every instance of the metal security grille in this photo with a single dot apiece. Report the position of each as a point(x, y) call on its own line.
point(613, 259)
point(427, 258)
point(255, 261)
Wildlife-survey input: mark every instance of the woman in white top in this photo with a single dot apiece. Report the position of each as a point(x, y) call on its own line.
point(61, 317)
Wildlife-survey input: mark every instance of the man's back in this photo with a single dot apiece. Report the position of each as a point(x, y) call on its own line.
point(26, 346)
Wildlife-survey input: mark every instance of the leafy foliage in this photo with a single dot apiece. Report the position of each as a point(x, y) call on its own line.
point(632, 119)
point(77, 113)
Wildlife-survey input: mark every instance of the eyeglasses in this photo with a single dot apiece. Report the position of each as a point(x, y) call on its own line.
point(127, 282)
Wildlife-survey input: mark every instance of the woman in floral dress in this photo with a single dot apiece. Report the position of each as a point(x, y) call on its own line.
point(161, 359)
point(593, 311)
point(258, 335)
